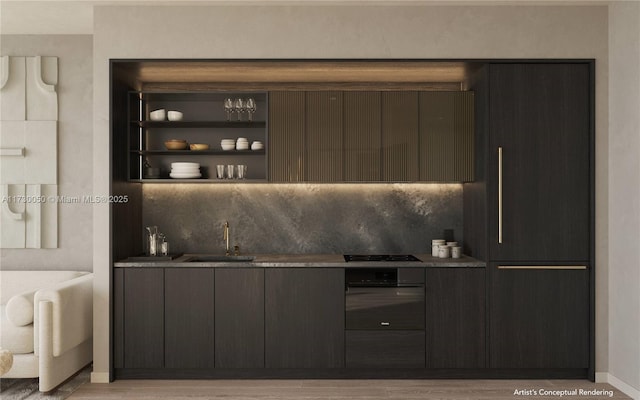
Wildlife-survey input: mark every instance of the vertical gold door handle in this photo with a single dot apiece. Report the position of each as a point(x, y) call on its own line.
point(499, 195)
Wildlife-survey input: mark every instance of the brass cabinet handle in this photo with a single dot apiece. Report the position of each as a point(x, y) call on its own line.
point(499, 195)
point(556, 267)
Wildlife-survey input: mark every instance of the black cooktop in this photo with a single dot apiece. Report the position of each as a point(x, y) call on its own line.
point(381, 257)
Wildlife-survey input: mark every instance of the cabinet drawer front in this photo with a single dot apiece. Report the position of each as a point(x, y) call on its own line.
point(385, 307)
point(390, 349)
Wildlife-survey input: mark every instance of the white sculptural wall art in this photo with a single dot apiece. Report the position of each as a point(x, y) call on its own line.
point(28, 152)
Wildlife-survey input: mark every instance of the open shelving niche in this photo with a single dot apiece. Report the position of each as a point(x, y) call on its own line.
point(204, 121)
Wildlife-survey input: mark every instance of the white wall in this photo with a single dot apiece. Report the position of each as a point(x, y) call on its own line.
point(624, 196)
point(342, 32)
point(75, 152)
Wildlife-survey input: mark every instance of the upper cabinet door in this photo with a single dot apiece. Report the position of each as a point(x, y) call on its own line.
point(286, 136)
point(323, 120)
point(362, 136)
point(539, 171)
point(446, 136)
point(400, 133)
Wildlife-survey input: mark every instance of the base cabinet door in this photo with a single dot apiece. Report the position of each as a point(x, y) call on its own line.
point(239, 317)
point(189, 318)
point(539, 317)
point(385, 349)
point(304, 317)
point(455, 317)
point(139, 318)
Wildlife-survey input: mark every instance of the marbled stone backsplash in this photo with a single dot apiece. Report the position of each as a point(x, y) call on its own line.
point(305, 218)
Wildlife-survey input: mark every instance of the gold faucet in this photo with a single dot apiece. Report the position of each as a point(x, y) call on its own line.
point(225, 237)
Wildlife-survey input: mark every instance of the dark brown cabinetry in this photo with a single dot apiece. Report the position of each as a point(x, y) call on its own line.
point(535, 193)
point(324, 137)
point(362, 140)
point(286, 136)
point(455, 318)
point(385, 349)
point(371, 136)
point(304, 317)
point(400, 136)
point(539, 317)
point(139, 318)
point(189, 318)
point(539, 146)
point(239, 318)
point(446, 136)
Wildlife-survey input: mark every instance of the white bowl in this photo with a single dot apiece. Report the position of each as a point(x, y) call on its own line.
point(257, 146)
point(174, 116)
point(240, 147)
point(158, 115)
point(242, 139)
point(228, 146)
point(227, 141)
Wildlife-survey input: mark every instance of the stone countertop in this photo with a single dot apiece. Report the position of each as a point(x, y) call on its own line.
point(305, 260)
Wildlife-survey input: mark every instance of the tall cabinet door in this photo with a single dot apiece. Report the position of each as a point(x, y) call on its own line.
point(539, 193)
point(189, 318)
point(304, 317)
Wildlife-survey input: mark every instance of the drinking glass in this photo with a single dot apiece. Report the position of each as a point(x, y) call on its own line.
point(228, 108)
point(250, 106)
point(220, 171)
point(230, 173)
point(239, 107)
point(242, 171)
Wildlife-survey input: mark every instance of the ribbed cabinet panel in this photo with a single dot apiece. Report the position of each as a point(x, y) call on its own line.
point(324, 156)
point(446, 136)
point(400, 133)
point(362, 136)
point(286, 136)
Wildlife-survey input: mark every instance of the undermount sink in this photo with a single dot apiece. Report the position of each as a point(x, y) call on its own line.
point(220, 258)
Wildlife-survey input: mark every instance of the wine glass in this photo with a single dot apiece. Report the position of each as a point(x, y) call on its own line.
point(250, 106)
point(228, 108)
point(239, 106)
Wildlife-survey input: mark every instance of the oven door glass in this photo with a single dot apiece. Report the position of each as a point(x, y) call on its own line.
point(390, 308)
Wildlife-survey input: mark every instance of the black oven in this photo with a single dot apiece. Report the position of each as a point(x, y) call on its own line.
point(385, 298)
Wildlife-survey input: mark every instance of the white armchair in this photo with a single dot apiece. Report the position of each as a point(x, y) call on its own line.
point(46, 323)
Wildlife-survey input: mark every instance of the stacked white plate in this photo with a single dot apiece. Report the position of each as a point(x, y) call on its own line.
point(185, 170)
point(257, 145)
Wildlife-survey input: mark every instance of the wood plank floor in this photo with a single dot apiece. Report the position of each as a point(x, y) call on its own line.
point(341, 389)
